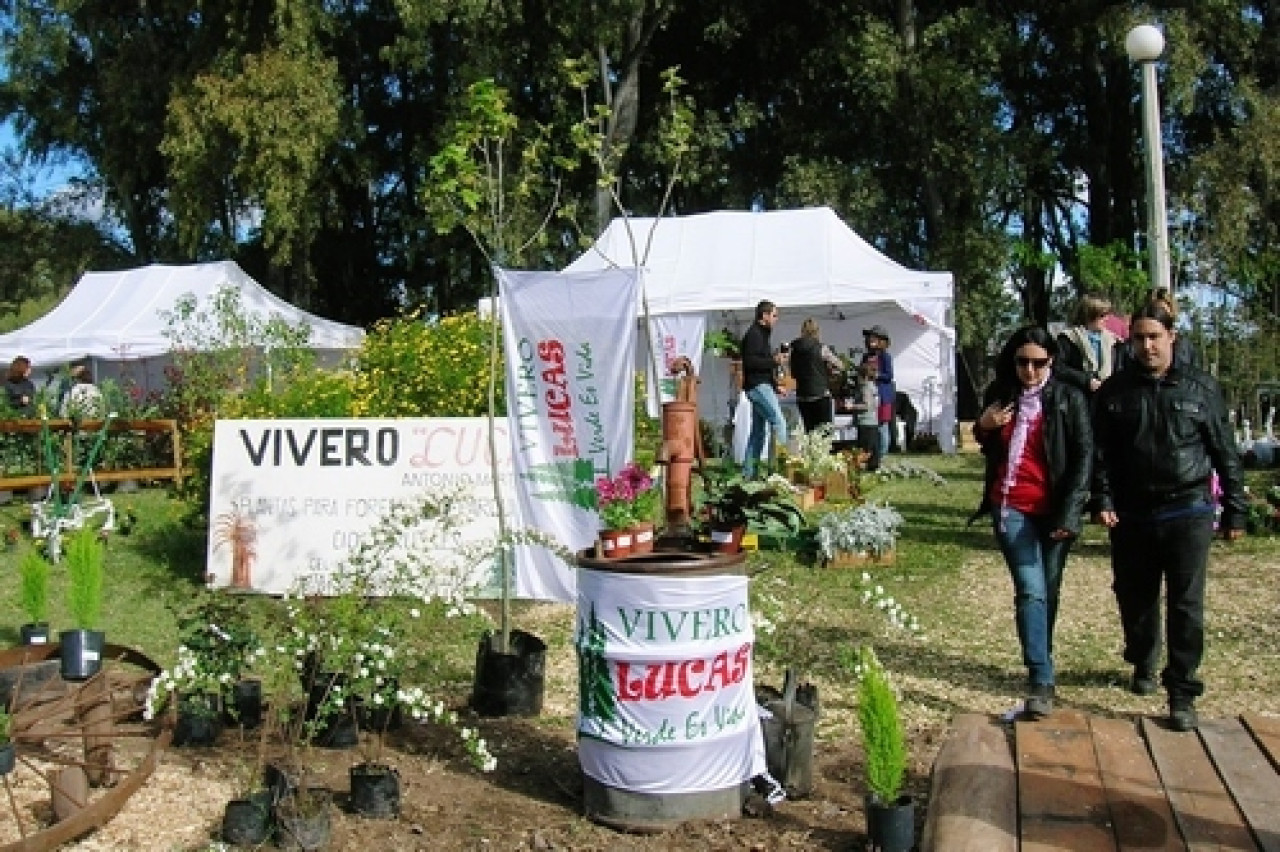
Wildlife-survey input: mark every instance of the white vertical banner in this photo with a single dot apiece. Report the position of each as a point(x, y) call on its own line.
point(672, 335)
point(570, 342)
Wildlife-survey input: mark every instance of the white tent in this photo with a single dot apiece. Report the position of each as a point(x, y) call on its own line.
point(810, 264)
point(116, 320)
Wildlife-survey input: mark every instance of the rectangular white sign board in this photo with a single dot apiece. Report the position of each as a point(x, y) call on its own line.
point(291, 499)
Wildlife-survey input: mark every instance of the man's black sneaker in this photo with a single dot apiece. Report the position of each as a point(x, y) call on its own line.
point(1182, 717)
point(1039, 701)
point(1142, 683)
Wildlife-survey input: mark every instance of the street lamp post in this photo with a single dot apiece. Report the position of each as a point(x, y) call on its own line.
point(1144, 45)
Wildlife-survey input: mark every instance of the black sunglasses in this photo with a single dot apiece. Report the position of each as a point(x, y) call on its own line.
point(1038, 363)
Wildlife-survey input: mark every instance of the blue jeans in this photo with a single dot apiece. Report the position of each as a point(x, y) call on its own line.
point(766, 413)
point(1035, 562)
point(885, 439)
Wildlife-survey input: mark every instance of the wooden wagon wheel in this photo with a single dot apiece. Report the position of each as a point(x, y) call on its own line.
point(69, 733)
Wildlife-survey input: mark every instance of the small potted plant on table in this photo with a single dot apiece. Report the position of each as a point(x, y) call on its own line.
point(730, 504)
point(82, 647)
point(33, 596)
point(614, 502)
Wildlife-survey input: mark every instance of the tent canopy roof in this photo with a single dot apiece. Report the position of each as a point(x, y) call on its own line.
point(729, 260)
point(117, 315)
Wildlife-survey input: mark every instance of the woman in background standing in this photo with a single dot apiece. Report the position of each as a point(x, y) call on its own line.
point(810, 362)
point(1035, 435)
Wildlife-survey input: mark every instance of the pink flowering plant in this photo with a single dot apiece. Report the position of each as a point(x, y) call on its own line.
point(614, 502)
point(644, 493)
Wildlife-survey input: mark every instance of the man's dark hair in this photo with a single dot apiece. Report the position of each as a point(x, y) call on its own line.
point(1154, 310)
point(764, 308)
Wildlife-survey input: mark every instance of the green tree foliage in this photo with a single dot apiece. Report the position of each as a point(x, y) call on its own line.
point(313, 141)
point(41, 258)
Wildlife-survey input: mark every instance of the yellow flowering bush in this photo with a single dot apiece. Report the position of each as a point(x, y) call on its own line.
point(410, 367)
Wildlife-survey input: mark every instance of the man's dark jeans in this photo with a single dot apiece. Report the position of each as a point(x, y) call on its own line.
point(1175, 552)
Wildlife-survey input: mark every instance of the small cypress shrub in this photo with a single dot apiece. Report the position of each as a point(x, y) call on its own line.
point(85, 556)
point(33, 586)
point(882, 735)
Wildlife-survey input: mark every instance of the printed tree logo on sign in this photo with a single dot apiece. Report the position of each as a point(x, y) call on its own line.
point(570, 482)
point(596, 696)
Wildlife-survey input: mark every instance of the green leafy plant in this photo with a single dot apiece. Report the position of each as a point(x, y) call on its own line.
point(721, 342)
point(354, 627)
point(218, 642)
point(730, 500)
point(6, 722)
point(85, 575)
point(870, 528)
point(883, 738)
point(33, 585)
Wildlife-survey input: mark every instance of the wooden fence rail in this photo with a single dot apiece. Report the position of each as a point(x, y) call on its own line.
point(67, 430)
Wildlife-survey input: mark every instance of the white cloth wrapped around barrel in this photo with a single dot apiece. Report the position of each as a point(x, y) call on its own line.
point(667, 702)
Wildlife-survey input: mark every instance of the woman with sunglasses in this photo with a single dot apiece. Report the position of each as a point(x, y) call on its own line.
point(1034, 431)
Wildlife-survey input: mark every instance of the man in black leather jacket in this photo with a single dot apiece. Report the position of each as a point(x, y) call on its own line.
point(1160, 430)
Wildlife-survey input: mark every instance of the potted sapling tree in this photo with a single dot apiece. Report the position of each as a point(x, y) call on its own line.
point(33, 596)
point(890, 813)
point(82, 647)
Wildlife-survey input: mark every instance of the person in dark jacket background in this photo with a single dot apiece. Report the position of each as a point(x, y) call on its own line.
point(1161, 430)
point(811, 366)
point(758, 377)
point(20, 391)
point(1035, 435)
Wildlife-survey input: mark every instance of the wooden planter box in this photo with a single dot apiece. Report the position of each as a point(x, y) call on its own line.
point(856, 560)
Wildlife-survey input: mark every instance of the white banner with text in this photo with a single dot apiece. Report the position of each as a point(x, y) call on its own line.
point(292, 499)
point(673, 336)
point(666, 700)
point(570, 345)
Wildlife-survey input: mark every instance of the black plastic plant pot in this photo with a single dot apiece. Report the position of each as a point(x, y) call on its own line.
point(303, 820)
point(245, 707)
point(35, 633)
point(511, 683)
point(375, 791)
point(247, 822)
point(199, 721)
point(8, 758)
point(891, 827)
point(81, 653)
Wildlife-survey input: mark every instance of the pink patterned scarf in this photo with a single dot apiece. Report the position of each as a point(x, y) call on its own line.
point(1028, 414)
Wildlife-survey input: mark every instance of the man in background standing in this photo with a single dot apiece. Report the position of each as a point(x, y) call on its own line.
point(758, 376)
point(1160, 431)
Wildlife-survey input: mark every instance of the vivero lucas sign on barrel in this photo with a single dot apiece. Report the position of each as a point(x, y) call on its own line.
point(666, 703)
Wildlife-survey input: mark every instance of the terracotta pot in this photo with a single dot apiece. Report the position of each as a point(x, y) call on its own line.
point(642, 536)
point(726, 539)
point(615, 543)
